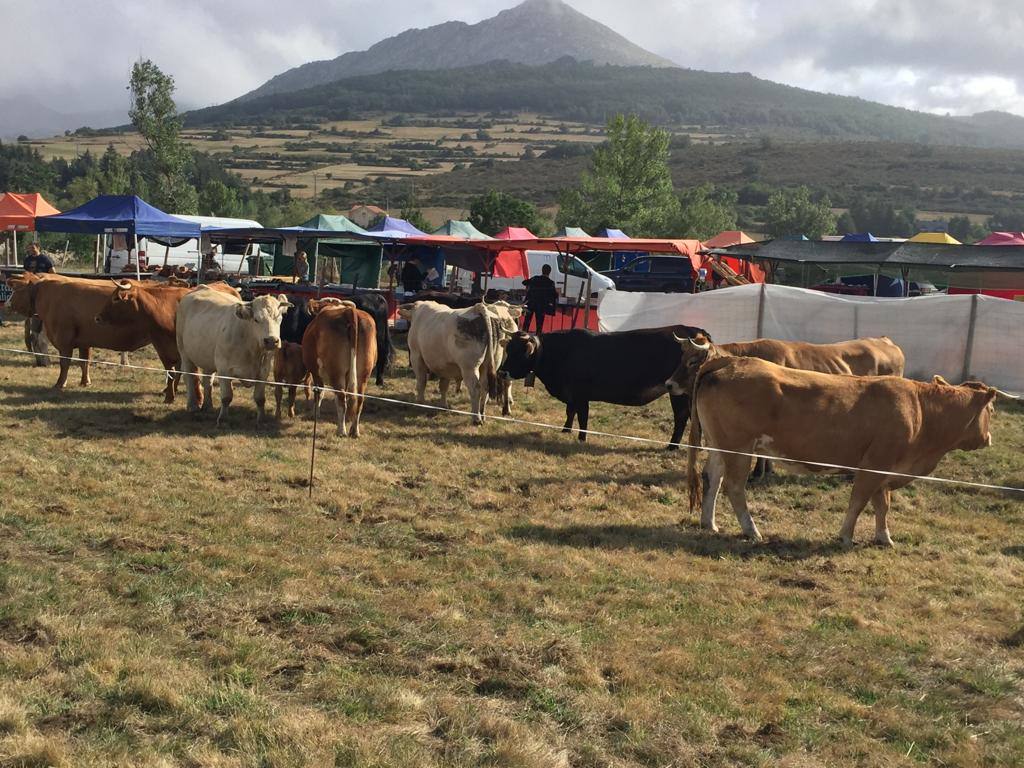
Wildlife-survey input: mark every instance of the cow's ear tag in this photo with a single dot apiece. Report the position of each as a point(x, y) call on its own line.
point(530, 379)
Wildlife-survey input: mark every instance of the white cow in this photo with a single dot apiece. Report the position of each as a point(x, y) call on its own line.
point(219, 333)
point(454, 344)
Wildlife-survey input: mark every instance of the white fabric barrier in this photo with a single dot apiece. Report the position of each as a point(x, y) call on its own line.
point(958, 337)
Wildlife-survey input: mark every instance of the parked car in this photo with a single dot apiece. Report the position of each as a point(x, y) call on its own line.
point(664, 274)
point(569, 285)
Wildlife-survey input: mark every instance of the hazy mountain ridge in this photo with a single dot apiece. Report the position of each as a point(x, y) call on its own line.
point(578, 91)
point(534, 32)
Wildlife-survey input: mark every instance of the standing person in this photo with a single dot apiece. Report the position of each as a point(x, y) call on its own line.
point(36, 261)
point(541, 298)
point(412, 276)
point(301, 267)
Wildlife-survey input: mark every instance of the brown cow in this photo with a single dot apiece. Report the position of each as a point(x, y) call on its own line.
point(151, 307)
point(882, 423)
point(67, 307)
point(35, 339)
point(290, 369)
point(339, 347)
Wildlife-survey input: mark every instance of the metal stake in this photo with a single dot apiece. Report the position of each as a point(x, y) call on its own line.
point(312, 452)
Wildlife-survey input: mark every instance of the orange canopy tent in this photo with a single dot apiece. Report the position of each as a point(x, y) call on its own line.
point(747, 269)
point(18, 212)
point(512, 263)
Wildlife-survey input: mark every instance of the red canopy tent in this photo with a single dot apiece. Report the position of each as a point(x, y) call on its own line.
point(18, 213)
point(1003, 238)
point(747, 269)
point(512, 263)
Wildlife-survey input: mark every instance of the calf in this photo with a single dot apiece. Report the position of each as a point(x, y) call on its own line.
point(290, 369)
point(459, 344)
point(881, 423)
point(625, 368)
point(219, 333)
point(299, 317)
point(339, 348)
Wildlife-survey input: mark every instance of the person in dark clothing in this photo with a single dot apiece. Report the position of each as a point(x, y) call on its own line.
point(412, 276)
point(36, 260)
point(541, 298)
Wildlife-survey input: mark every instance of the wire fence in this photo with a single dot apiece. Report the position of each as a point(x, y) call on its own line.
point(526, 423)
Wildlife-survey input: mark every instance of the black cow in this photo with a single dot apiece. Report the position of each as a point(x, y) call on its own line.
point(625, 368)
point(296, 319)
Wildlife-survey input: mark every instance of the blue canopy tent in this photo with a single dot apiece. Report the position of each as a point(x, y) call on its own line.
point(388, 228)
point(859, 237)
point(127, 215)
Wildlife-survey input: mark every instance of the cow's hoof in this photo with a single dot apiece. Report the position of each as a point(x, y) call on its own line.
point(885, 541)
point(846, 541)
point(672, 447)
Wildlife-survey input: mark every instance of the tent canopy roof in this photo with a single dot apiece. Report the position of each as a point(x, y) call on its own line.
point(463, 229)
point(336, 223)
point(19, 211)
point(727, 238)
point(392, 227)
point(1003, 238)
point(515, 233)
point(907, 254)
point(859, 237)
point(129, 214)
point(571, 232)
point(614, 234)
point(937, 238)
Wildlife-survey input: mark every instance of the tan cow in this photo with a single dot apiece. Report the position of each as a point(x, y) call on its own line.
point(460, 344)
point(151, 306)
point(339, 348)
point(67, 307)
point(883, 423)
point(290, 370)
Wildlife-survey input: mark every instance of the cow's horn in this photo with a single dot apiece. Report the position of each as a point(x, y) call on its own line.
point(1007, 395)
point(705, 345)
point(124, 285)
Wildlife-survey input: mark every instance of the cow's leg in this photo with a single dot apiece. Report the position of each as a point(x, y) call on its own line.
point(227, 394)
point(86, 354)
point(207, 392)
point(715, 469)
point(570, 414)
point(192, 385)
point(865, 485)
point(318, 395)
point(680, 415)
point(356, 410)
point(506, 397)
point(341, 404)
point(583, 413)
point(881, 501)
point(124, 358)
point(292, 394)
point(442, 390)
point(259, 395)
point(420, 369)
point(278, 393)
point(736, 470)
point(170, 364)
point(66, 353)
point(476, 396)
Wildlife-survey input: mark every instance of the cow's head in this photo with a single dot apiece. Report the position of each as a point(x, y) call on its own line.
point(316, 306)
point(23, 296)
point(406, 311)
point(520, 354)
point(981, 404)
point(266, 312)
point(696, 351)
point(122, 306)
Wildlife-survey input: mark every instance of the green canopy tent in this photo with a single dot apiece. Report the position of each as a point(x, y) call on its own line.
point(463, 229)
point(359, 261)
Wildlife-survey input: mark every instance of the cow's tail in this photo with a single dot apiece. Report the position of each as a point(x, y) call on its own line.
point(353, 341)
point(490, 378)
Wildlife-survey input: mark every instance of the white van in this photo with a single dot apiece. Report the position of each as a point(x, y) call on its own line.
point(569, 286)
point(231, 255)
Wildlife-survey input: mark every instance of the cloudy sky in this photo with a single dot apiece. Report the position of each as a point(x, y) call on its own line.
point(936, 55)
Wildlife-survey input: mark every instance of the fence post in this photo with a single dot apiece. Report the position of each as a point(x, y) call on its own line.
point(856, 320)
point(969, 349)
point(760, 311)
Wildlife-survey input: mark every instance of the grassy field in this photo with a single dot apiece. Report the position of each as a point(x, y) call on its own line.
point(494, 596)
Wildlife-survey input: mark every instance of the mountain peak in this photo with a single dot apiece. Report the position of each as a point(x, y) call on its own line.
point(533, 32)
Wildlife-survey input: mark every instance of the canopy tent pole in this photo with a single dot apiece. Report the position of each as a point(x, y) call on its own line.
point(138, 265)
point(14, 237)
point(167, 254)
point(67, 244)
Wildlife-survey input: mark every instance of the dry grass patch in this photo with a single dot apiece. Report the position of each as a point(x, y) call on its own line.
point(464, 596)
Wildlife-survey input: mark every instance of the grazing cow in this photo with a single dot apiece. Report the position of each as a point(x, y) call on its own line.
point(625, 368)
point(860, 357)
point(290, 369)
point(68, 307)
point(340, 348)
point(299, 317)
point(461, 344)
point(881, 423)
point(219, 333)
point(151, 306)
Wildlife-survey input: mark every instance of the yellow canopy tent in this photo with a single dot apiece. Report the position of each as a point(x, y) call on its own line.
point(936, 238)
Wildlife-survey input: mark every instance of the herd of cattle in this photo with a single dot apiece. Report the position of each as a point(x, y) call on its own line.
point(819, 407)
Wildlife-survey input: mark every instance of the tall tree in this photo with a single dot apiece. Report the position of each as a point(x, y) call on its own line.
point(115, 174)
point(494, 211)
point(218, 199)
point(879, 217)
point(705, 211)
point(794, 212)
point(628, 185)
point(155, 116)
